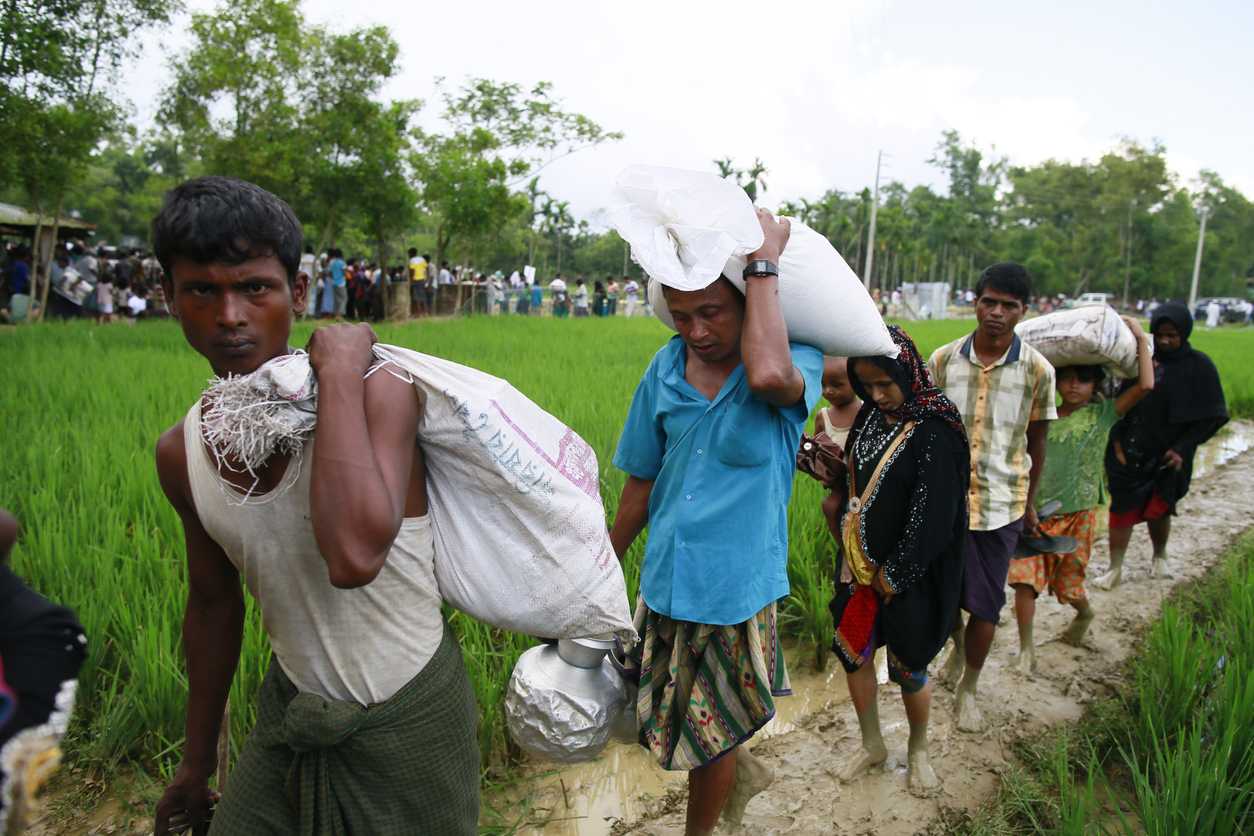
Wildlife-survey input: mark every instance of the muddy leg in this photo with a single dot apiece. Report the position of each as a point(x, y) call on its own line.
point(1025, 613)
point(920, 779)
point(1084, 616)
point(871, 752)
point(708, 788)
point(951, 670)
point(1119, 538)
point(979, 640)
point(1159, 532)
point(752, 777)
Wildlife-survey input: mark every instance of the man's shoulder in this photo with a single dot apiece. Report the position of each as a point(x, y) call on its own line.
point(948, 350)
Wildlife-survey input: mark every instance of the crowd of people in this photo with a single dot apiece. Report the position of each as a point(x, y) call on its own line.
point(947, 480)
point(106, 284)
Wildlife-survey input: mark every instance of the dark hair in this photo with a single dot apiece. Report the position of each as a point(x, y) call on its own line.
point(426, 257)
point(225, 220)
point(413, 252)
point(309, 249)
point(1086, 373)
point(1008, 277)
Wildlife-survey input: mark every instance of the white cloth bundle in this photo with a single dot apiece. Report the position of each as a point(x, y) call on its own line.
point(686, 228)
point(515, 505)
point(1083, 336)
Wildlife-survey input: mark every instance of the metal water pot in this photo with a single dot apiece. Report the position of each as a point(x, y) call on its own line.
point(565, 701)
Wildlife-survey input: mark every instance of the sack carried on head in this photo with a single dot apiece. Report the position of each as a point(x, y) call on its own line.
point(1090, 335)
point(687, 228)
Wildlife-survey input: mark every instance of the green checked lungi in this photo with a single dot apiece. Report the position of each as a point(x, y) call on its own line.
point(704, 688)
point(317, 768)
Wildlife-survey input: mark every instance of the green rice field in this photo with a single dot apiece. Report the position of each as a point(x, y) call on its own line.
point(81, 408)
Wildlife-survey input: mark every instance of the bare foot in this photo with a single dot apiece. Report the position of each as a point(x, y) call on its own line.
point(1162, 569)
point(920, 779)
point(969, 718)
point(863, 758)
point(752, 776)
point(1110, 580)
point(1075, 633)
point(1026, 664)
point(951, 671)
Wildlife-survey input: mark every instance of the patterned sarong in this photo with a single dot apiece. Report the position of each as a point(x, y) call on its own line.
point(704, 689)
point(318, 768)
point(1063, 574)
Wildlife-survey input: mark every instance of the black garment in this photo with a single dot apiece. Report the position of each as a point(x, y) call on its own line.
point(1184, 410)
point(914, 527)
point(42, 646)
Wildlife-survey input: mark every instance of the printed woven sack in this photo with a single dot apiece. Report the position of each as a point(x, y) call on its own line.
point(1090, 335)
point(515, 504)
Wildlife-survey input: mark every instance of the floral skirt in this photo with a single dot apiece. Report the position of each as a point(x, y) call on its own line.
point(704, 688)
point(1063, 574)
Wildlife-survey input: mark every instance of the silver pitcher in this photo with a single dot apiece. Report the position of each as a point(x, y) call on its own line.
point(564, 702)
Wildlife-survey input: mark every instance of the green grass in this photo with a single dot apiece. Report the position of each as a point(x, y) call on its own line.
point(1173, 754)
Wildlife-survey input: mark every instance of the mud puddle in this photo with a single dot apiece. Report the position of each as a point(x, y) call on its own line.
point(1233, 440)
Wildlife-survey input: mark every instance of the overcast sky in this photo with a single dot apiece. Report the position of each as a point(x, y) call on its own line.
point(817, 88)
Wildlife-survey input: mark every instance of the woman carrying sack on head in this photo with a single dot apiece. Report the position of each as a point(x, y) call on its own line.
point(902, 531)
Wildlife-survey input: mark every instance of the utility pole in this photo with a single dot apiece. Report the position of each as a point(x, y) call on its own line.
point(875, 202)
point(1127, 267)
point(1197, 263)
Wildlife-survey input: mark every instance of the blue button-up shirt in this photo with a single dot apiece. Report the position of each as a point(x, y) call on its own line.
point(722, 474)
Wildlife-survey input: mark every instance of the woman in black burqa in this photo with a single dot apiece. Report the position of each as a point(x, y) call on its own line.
point(1149, 457)
point(902, 531)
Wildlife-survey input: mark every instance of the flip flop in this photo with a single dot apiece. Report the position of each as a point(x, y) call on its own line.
point(1032, 546)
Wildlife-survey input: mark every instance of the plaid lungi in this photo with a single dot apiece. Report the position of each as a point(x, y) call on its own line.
point(317, 768)
point(704, 688)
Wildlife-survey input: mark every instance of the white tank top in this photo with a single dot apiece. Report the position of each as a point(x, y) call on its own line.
point(358, 645)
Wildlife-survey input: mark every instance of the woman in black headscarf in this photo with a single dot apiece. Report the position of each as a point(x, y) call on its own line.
point(1149, 458)
point(902, 530)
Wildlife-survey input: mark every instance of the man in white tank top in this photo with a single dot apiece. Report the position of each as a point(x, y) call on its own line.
point(367, 721)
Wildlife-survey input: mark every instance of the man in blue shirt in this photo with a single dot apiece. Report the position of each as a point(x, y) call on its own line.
point(709, 447)
point(339, 284)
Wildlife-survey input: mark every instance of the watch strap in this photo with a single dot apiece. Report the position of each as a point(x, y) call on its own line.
point(760, 267)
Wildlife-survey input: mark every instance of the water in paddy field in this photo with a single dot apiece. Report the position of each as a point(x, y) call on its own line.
point(1231, 441)
point(626, 782)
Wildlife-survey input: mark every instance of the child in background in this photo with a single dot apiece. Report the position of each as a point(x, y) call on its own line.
point(1073, 475)
point(104, 298)
point(837, 419)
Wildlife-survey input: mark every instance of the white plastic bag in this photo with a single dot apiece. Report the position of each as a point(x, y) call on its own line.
point(1087, 335)
point(686, 228)
point(515, 504)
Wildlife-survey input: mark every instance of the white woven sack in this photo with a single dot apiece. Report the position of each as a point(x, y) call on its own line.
point(1087, 335)
point(515, 504)
point(686, 228)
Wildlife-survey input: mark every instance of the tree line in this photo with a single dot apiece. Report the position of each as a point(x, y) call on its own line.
point(264, 94)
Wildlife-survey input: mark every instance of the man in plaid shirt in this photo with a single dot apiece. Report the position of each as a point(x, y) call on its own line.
point(1004, 389)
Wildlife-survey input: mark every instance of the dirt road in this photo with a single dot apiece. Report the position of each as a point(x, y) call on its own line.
point(805, 799)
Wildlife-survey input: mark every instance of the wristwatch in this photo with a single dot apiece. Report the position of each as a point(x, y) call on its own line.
point(761, 267)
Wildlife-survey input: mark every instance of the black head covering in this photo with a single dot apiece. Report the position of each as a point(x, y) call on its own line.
point(909, 372)
point(1177, 313)
point(1189, 380)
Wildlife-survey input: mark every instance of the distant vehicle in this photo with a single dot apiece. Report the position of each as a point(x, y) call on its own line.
point(1091, 299)
point(1231, 308)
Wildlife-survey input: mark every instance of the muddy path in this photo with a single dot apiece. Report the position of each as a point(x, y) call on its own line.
point(624, 792)
point(806, 799)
